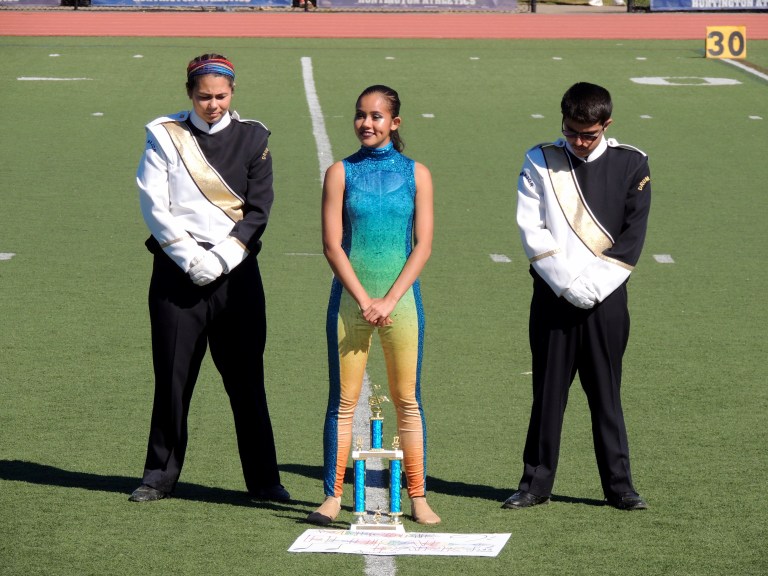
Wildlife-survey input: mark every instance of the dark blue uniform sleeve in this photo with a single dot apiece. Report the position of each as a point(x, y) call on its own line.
point(259, 196)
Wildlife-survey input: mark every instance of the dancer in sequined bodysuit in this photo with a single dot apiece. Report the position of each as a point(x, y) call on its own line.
point(377, 237)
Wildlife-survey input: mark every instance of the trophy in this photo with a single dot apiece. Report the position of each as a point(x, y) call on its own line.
point(382, 521)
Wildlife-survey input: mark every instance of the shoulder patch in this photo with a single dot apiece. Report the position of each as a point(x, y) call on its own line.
point(527, 177)
point(151, 144)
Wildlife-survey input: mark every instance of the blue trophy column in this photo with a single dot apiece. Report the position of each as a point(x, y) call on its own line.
point(395, 469)
point(377, 433)
point(359, 488)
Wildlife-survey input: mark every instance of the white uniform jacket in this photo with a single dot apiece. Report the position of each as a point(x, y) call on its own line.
point(582, 218)
point(178, 211)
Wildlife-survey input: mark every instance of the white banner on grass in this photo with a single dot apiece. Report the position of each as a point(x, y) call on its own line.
point(393, 544)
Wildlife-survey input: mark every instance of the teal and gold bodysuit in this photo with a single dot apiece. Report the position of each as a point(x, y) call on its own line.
point(378, 212)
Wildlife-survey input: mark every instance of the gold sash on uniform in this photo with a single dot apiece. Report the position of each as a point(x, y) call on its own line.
point(582, 221)
point(207, 179)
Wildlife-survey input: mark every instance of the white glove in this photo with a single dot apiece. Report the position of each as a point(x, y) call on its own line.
point(580, 294)
point(206, 269)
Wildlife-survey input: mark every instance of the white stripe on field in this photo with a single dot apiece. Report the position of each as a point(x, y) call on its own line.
point(324, 153)
point(40, 78)
point(747, 68)
point(377, 494)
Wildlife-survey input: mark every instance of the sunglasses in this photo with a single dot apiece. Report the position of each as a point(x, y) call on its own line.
point(583, 136)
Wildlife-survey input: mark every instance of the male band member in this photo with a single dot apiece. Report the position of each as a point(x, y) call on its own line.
point(582, 210)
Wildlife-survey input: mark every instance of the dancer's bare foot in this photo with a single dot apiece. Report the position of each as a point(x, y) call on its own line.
point(327, 512)
point(422, 513)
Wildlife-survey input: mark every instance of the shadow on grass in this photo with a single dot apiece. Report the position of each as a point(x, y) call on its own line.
point(583, 501)
point(495, 494)
point(22, 471)
point(440, 486)
point(433, 484)
point(33, 473)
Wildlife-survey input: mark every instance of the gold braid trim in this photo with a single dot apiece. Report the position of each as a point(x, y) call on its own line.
point(543, 255)
point(205, 177)
point(576, 212)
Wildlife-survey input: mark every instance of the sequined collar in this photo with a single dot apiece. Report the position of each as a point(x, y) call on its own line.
point(378, 153)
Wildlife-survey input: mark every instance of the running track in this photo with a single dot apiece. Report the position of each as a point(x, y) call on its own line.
point(611, 26)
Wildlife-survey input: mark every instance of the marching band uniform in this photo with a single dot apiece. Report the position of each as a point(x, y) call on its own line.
point(207, 188)
point(582, 223)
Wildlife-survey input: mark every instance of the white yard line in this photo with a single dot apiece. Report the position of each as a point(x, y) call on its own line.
point(376, 493)
point(324, 153)
point(746, 68)
point(44, 79)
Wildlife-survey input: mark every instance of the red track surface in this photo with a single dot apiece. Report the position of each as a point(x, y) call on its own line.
point(659, 26)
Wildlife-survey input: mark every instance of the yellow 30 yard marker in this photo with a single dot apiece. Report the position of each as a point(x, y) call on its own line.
point(726, 42)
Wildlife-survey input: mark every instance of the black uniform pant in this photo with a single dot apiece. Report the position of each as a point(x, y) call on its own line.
point(229, 314)
point(566, 340)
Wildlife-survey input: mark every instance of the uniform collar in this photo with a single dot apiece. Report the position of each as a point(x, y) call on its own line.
point(203, 126)
point(594, 155)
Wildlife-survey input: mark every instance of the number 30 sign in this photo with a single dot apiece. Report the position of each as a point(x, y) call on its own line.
point(726, 42)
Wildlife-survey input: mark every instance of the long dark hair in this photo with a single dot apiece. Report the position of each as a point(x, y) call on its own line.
point(393, 100)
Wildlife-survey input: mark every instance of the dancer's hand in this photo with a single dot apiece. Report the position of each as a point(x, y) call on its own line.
point(378, 311)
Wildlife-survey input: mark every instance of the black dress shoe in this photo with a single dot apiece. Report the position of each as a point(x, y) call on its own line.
point(523, 499)
point(276, 493)
point(628, 502)
point(146, 493)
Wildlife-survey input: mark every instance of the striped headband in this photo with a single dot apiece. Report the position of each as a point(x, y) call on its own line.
point(211, 66)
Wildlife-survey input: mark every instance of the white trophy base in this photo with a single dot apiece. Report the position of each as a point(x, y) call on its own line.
point(377, 453)
point(377, 527)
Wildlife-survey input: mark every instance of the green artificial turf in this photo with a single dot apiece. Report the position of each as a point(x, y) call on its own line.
point(75, 364)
